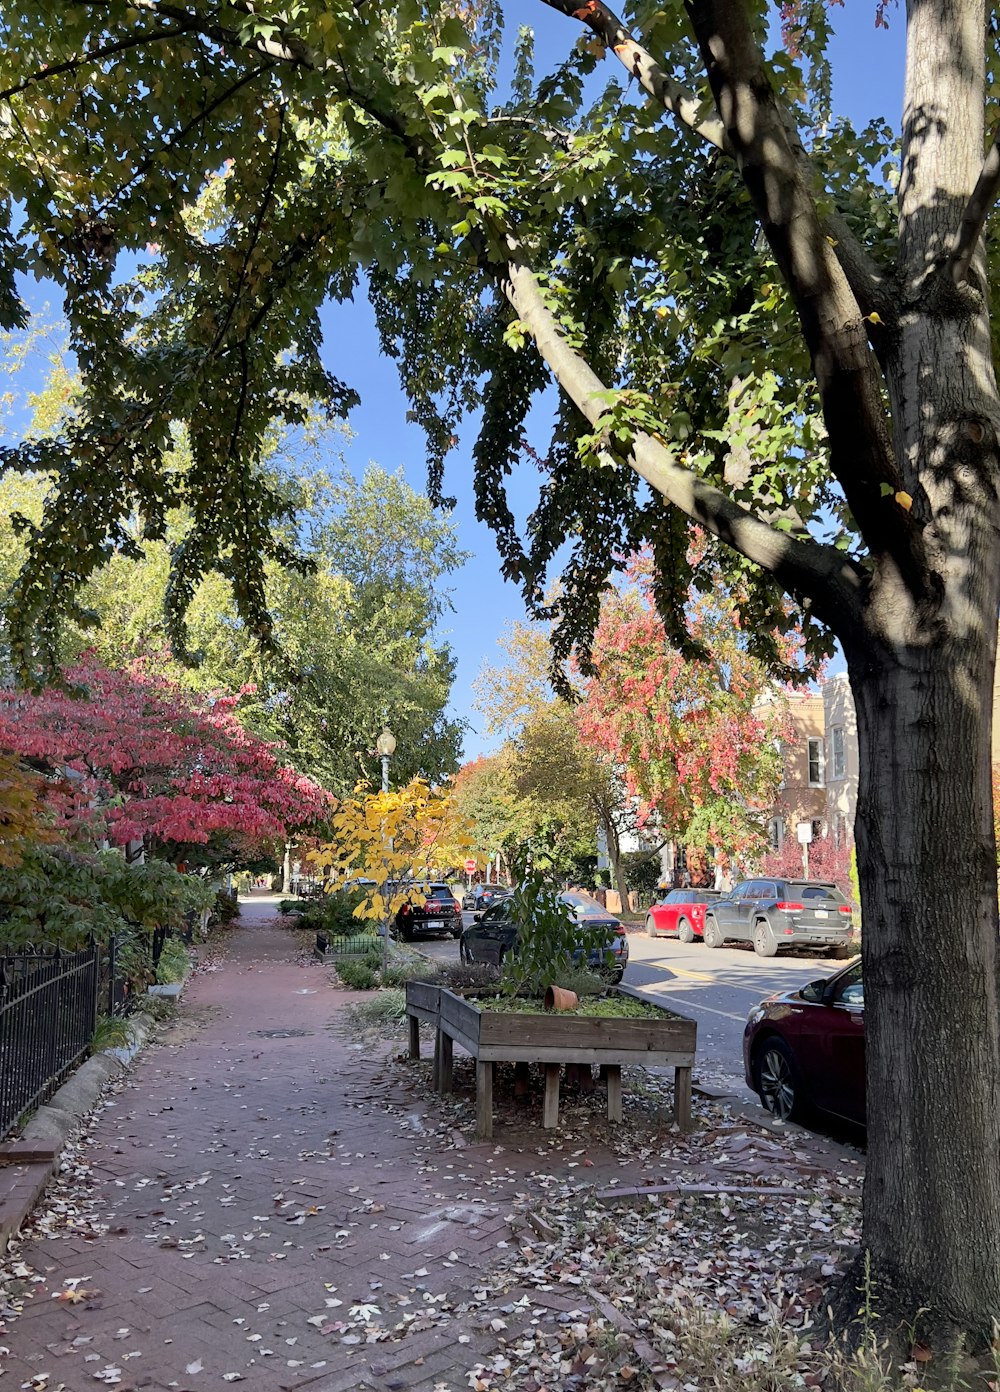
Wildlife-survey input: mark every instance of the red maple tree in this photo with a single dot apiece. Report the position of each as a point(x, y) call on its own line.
point(133, 757)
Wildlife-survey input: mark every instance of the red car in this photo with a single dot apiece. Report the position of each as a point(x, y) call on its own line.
point(681, 914)
point(806, 1048)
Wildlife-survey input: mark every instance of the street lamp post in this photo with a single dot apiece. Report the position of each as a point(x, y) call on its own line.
point(385, 747)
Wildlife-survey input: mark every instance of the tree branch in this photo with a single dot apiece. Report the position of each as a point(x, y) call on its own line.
point(977, 210)
point(864, 277)
point(92, 55)
point(820, 573)
point(850, 388)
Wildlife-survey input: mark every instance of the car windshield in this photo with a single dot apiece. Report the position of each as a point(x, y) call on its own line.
point(439, 892)
point(583, 906)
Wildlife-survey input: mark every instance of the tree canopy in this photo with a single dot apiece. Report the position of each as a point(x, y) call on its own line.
point(761, 321)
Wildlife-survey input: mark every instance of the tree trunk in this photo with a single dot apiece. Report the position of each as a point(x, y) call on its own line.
point(927, 865)
point(286, 870)
point(615, 856)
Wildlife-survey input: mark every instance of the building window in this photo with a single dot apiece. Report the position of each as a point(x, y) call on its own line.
point(817, 828)
point(839, 751)
point(776, 833)
point(815, 747)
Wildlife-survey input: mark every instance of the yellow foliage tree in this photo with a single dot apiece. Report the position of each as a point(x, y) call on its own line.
point(397, 840)
point(23, 821)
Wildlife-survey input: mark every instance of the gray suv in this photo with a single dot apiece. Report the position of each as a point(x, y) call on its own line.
point(780, 913)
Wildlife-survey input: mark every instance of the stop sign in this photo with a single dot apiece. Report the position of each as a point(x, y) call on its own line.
point(470, 865)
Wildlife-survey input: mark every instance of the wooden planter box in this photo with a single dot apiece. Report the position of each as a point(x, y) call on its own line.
point(550, 1039)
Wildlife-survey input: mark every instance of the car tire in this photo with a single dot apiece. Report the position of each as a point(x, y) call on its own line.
point(776, 1079)
point(651, 926)
point(765, 944)
point(712, 934)
point(685, 933)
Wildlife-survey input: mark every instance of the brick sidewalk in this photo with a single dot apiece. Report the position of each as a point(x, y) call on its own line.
point(284, 1208)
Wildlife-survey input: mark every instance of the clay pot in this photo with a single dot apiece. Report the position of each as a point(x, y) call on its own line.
point(558, 998)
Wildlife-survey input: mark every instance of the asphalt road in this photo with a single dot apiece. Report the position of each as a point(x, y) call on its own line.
point(716, 988)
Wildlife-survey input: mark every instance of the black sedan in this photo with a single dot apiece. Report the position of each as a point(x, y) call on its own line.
point(806, 1048)
point(430, 909)
point(481, 896)
point(495, 934)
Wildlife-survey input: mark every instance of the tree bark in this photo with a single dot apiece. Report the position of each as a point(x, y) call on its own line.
point(286, 870)
point(927, 868)
point(615, 856)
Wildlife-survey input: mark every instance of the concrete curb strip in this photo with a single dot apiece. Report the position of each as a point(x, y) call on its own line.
point(27, 1165)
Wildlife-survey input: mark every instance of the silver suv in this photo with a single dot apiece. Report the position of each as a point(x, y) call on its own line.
point(780, 913)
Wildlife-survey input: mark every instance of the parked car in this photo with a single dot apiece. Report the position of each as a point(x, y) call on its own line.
point(780, 913)
point(681, 914)
point(429, 908)
point(481, 896)
point(806, 1048)
point(494, 934)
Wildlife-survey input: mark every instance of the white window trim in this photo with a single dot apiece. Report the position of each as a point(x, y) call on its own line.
point(821, 761)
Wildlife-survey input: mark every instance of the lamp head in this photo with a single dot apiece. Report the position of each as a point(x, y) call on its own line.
point(385, 745)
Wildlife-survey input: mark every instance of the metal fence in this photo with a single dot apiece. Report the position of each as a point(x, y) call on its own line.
point(48, 1014)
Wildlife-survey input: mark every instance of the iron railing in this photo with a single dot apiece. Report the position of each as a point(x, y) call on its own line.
point(48, 1014)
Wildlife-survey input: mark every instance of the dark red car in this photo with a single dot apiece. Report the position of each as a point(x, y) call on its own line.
point(680, 914)
point(806, 1048)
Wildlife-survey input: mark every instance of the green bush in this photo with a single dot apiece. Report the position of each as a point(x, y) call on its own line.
point(642, 872)
point(334, 914)
point(359, 976)
point(293, 906)
point(226, 907)
point(174, 962)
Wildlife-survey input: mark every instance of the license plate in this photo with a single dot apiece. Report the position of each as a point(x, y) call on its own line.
point(435, 923)
point(821, 913)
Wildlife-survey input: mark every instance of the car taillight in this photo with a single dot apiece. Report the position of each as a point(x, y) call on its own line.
point(620, 931)
point(844, 908)
point(458, 906)
point(788, 907)
point(406, 909)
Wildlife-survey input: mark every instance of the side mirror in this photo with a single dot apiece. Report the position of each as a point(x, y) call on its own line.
point(816, 991)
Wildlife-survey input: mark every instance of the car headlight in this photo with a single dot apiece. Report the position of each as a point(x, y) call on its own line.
point(754, 1014)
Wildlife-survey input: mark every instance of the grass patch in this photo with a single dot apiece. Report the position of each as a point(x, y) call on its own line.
point(174, 963)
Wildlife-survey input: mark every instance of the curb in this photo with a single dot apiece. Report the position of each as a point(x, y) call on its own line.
point(27, 1165)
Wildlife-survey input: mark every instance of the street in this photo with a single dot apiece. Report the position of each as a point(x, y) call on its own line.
point(716, 988)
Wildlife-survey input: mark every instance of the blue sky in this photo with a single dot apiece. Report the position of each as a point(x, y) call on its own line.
point(868, 82)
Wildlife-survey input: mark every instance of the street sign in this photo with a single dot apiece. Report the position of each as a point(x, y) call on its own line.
point(470, 865)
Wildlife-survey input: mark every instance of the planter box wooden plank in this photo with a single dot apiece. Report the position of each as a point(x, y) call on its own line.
point(666, 1040)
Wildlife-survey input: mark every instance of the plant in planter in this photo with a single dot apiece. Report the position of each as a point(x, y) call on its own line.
point(549, 939)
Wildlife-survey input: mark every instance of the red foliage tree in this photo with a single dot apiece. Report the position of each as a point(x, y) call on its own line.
point(697, 740)
point(827, 861)
point(134, 757)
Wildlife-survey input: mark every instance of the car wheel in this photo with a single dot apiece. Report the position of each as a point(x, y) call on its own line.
point(765, 944)
point(712, 935)
point(685, 932)
point(650, 926)
point(777, 1079)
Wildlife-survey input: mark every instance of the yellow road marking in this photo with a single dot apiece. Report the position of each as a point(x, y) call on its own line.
point(687, 1002)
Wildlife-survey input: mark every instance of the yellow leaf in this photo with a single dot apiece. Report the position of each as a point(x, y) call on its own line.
point(904, 500)
point(874, 317)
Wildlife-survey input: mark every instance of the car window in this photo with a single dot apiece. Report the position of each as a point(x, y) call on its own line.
point(583, 906)
point(677, 896)
point(439, 892)
point(818, 891)
point(850, 988)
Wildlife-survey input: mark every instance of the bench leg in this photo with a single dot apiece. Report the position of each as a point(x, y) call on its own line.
point(682, 1098)
point(614, 1092)
point(550, 1105)
point(484, 1101)
point(445, 1064)
point(414, 1037)
point(436, 1066)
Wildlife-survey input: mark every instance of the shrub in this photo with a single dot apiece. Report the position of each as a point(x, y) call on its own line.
point(227, 906)
point(642, 872)
point(293, 906)
point(174, 962)
point(334, 914)
point(359, 976)
point(387, 1007)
